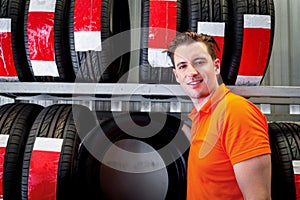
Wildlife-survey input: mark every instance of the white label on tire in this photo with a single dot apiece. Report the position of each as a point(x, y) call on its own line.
point(296, 166)
point(5, 25)
point(42, 5)
point(248, 80)
point(48, 144)
point(44, 68)
point(87, 40)
point(159, 58)
point(257, 21)
point(3, 140)
point(211, 28)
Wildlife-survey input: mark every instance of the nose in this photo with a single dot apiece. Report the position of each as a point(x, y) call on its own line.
point(192, 71)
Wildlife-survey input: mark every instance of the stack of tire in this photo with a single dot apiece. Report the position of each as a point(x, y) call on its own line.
point(61, 40)
point(90, 41)
point(38, 149)
point(285, 146)
point(244, 31)
point(61, 152)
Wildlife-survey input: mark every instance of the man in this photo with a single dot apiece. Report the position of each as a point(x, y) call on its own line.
point(229, 155)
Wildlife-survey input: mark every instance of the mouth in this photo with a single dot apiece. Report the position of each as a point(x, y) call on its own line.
point(195, 82)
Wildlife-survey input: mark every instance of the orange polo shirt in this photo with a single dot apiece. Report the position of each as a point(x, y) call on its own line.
point(228, 129)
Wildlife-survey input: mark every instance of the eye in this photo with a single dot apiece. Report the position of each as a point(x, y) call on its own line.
point(181, 66)
point(198, 63)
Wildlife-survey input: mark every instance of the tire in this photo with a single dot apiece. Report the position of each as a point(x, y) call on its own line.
point(16, 13)
point(55, 123)
point(97, 180)
point(211, 11)
point(285, 149)
point(206, 11)
point(233, 53)
point(15, 122)
point(269, 9)
point(148, 73)
point(98, 66)
point(59, 48)
point(7, 68)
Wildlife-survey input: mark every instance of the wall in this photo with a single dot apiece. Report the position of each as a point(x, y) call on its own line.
point(284, 68)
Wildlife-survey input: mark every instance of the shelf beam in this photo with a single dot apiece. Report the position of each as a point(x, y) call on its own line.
point(136, 89)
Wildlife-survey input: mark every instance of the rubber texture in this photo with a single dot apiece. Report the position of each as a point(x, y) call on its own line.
point(233, 51)
point(16, 120)
point(147, 73)
point(89, 168)
point(61, 44)
point(58, 121)
point(284, 141)
point(97, 66)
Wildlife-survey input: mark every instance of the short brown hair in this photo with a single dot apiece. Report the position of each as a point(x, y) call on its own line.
point(189, 37)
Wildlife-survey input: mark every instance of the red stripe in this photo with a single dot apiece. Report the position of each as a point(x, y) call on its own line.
point(162, 23)
point(255, 51)
point(2, 154)
point(7, 66)
point(40, 32)
point(220, 41)
point(297, 185)
point(42, 178)
point(87, 15)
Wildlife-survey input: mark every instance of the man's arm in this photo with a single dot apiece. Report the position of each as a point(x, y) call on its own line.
point(254, 177)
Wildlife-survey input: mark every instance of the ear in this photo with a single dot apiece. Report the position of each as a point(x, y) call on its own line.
point(176, 75)
point(217, 67)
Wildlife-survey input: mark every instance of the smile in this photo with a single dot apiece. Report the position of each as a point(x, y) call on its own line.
point(195, 82)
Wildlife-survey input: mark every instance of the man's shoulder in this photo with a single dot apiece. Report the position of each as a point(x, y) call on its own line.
point(240, 103)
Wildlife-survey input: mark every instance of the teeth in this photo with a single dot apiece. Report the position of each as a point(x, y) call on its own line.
point(194, 83)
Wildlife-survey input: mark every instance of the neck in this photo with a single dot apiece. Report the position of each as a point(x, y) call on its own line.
point(199, 102)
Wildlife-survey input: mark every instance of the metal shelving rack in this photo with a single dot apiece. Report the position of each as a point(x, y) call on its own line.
point(146, 97)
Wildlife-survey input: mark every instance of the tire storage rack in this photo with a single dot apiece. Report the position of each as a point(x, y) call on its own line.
point(72, 127)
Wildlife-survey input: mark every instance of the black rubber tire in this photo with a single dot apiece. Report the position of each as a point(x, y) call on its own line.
point(207, 11)
point(89, 168)
point(3, 8)
point(16, 13)
point(268, 8)
point(7, 75)
point(285, 149)
point(61, 44)
point(58, 121)
point(233, 52)
point(95, 66)
point(147, 73)
point(16, 120)
point(210, 11)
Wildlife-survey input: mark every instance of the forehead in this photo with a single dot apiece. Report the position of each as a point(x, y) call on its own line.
point(190, 51)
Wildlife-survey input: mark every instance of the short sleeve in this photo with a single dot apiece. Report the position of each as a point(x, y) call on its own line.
point(245, 132)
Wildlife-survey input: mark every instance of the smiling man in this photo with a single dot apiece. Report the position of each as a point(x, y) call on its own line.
point(229, 155)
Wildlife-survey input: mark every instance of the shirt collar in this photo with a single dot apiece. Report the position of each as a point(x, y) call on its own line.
point(212, 102)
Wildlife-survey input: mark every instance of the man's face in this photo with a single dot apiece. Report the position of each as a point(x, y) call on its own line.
point(195, 70)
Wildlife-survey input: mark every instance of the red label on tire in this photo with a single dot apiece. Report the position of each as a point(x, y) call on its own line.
point(296, 168)
point(7, 66)
point(162, 23)
point(162, 30)
point(255, 52)
point(217, 30)
point(3, 144)
point(42, 179)
point(87, 25)
point(40, 31)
